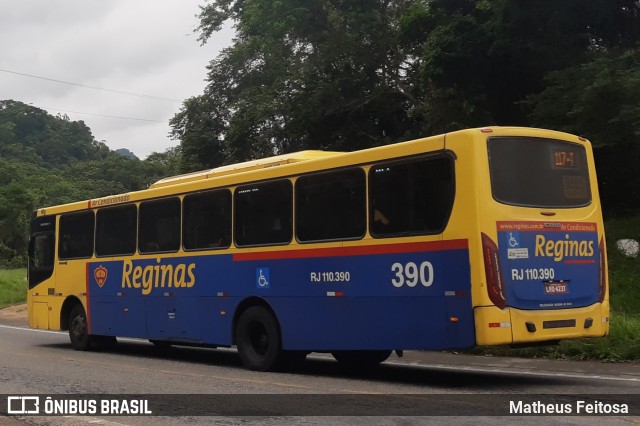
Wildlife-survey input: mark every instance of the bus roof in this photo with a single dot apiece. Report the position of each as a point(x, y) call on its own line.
point(262, 163)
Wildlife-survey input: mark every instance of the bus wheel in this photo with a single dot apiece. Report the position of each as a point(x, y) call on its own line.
point(361, 359)
point(78, 331)
point(258, 339)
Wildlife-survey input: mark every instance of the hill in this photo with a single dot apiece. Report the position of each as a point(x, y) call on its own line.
point(47, 160)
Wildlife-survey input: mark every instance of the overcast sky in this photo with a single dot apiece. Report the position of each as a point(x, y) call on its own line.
point(138, 46)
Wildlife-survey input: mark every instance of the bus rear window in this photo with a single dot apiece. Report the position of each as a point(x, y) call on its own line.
point(537, 172)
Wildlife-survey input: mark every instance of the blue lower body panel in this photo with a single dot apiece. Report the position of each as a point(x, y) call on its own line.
point(399, 296)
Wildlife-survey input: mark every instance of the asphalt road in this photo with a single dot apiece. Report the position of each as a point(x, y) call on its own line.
point(421, 388)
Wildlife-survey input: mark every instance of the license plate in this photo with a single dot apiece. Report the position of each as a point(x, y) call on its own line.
point(556, 287)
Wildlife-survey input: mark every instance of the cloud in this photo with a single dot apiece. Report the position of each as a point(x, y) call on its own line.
point(140, 46)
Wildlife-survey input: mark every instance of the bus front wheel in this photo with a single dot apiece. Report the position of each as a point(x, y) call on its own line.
point(78, 331)
point(258, 339)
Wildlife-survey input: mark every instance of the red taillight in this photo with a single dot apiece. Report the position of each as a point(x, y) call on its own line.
point(495, 282)
point(602, 285)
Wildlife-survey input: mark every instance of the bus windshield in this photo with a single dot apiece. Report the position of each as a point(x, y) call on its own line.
point(537, 172)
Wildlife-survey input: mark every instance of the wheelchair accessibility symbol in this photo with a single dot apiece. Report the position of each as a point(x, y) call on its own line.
point(514, 239)
point(262, 278)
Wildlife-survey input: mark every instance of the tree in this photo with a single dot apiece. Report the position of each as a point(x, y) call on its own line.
point(599, 100)
point(47, 160)
point(167, 162)
point(349, 74)
point(303, 74)
point(14, 222)
point(481, 59)
point(200, 126)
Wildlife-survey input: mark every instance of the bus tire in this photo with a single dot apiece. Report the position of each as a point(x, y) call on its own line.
point(78, 330)
point(361, 359)
point(258, 339)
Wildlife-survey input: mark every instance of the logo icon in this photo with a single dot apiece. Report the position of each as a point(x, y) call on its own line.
point(100, 274)
point(23, 405)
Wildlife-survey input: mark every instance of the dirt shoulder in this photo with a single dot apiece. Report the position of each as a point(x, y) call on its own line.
point(14, 315)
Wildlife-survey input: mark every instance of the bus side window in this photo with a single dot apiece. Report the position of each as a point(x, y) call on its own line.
point(116, 230)
point(207, 220)
point(43, 248)
point(42, 245)
point(411, 197)
point(76, 235)
point(264, 213)
point(331, 205)
point(159, 227)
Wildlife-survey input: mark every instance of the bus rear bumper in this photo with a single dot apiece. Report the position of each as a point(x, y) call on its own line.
point(507, 326)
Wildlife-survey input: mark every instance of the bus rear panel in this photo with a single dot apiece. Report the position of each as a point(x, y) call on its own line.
point(544, 258)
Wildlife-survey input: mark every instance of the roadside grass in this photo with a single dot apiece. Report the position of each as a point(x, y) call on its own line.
point(624, 272)
point(621, 345)
point(623, 342)
point(13, 287)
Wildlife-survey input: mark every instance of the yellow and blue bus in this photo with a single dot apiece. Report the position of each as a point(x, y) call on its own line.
point(487, 236)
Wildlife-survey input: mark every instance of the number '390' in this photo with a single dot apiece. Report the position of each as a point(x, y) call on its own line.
point(412, 274)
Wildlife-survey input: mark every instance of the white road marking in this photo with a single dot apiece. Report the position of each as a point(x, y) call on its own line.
point(94, 420)
point(520, 372)
point(36, 330)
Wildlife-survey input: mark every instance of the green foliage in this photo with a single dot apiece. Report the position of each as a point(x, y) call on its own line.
point(598, 99)
point(47, 160)
point(623, 271)
point(13, 286)
point(622, 344)
point(165, 163)
point(302, 74)
point(349, 74)
point(32, 135)
point(199, 126)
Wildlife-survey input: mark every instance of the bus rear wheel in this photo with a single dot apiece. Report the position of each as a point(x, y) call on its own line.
point(361, 359)
point(258, 339)
point(78, 330)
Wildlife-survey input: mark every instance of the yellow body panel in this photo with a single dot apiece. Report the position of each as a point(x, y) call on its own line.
point(496, 326)
point(475, 212)
point(39, 315)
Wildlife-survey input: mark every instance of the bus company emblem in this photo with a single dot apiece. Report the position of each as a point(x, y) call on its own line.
point(100, 274)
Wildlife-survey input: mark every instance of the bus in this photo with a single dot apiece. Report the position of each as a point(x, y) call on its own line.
point(487, 236)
